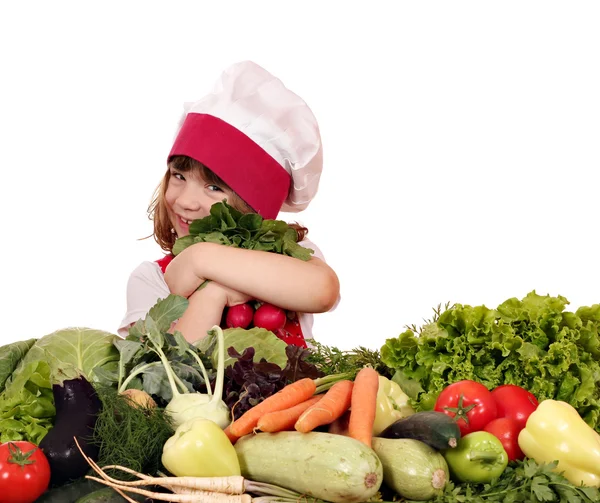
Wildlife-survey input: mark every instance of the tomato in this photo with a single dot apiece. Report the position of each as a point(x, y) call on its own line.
point(24, 472)
point(515, 403)
point(470, 404)
point(507, 431)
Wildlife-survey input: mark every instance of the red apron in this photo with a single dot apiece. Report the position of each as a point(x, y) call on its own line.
point(290, 334)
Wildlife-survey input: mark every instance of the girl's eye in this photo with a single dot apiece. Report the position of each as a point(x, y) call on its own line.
point(179, 176)
point(214, 188)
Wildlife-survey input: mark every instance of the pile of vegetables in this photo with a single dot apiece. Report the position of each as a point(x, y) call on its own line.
point(245, 417)
point(533, 342)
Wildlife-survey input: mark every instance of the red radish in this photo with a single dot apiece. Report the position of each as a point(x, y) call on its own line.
point(269, 317)
point(239, 316)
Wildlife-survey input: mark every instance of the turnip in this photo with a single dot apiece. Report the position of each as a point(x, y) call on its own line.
point(269, 317)
point(239, 316)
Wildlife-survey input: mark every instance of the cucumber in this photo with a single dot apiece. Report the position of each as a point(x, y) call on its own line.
point(412, 468)
point(322, 465)
point(436, 429)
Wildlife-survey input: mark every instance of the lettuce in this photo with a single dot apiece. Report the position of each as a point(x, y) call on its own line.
point(27, 406)
point(533, 342)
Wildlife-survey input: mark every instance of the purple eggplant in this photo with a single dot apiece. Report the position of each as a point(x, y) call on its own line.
point(77, 408)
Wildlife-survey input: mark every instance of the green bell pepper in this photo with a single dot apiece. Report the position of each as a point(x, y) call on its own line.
point(479, 458)
point(200, 448)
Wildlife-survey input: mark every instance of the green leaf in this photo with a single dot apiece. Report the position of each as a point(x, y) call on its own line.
point(250, 221)
point(168, 310)
point(153, 333)
point(539, 486)
point(265, 343)
point(182, 243)
point(410, 386)
point(182, 345)
point(12, 354)
point(128, 350)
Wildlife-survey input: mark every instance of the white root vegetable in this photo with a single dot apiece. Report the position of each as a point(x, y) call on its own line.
point(199, 497)
point(191, 489)
point(225, 485)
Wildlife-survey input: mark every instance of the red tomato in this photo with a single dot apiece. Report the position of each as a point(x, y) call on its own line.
point(515, 403)
point(24, 472)
point(507, 431)
point(470, 404)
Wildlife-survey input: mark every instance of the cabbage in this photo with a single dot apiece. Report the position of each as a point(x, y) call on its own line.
point(83, 348)
point(265, 343)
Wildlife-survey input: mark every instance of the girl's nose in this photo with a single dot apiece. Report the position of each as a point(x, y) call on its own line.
point(190, 199)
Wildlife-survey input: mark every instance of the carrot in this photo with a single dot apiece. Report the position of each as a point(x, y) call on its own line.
point(285, 419)
point(232, 438)
point(363, 405)
point(335, 402)
point(293, 394)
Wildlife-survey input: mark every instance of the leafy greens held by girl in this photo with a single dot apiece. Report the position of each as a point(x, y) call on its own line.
point(256, 144)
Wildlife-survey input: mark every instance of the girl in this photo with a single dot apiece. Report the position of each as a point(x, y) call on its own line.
point(256, 144)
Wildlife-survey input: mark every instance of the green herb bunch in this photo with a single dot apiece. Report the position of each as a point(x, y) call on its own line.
point(525, 481)
point(227, 226)
point(130, 435)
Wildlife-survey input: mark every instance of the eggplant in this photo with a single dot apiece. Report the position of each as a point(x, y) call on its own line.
point(77, 408)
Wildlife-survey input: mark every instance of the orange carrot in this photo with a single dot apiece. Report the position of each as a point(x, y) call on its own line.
point(230, 435)
point(335, 402)
point(363, 405)
point(293, 394)
point(285, 419)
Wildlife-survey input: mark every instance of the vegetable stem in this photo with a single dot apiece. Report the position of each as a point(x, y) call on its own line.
point(218, 391)
point(169, 371)
point(203, 369)
point(130, 377)
point(326, 382)
point(483, 456)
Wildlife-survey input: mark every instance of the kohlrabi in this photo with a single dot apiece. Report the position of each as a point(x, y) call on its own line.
point(185, 405)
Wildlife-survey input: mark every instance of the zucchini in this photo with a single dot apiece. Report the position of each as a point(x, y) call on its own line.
point(436, 429)
point(412, 468)
point(322, 465)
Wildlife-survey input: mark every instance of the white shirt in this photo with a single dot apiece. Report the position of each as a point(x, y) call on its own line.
point(146, 286)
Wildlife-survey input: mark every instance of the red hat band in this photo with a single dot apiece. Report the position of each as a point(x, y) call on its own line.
point(250, 171)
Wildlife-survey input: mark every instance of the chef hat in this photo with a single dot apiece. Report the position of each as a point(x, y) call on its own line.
point(258, 136)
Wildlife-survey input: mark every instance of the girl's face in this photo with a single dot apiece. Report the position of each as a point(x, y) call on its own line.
point(189, 197)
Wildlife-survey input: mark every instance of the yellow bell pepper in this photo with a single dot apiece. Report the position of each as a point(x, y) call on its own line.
point(556, 432)
point(392, 404)
point(200, 448)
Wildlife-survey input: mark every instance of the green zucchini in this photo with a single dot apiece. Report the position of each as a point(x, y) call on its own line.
point(322, 465)
point(436, 429)
point(412, 468)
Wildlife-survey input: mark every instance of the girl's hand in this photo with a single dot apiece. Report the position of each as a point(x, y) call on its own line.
point(231, 297)
point(205, 309)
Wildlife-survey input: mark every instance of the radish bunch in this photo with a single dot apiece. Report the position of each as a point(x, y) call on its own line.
point(267, 316)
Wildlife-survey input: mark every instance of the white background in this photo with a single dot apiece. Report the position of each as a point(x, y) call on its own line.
point(462, 148)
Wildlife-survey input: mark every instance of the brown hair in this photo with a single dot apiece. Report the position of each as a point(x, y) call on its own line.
point(157, 210)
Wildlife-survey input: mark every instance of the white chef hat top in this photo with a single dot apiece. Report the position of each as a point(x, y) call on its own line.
point(258, 136)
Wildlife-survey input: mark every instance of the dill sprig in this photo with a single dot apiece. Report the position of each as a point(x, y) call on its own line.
point(130, 435)
point(332, 360)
